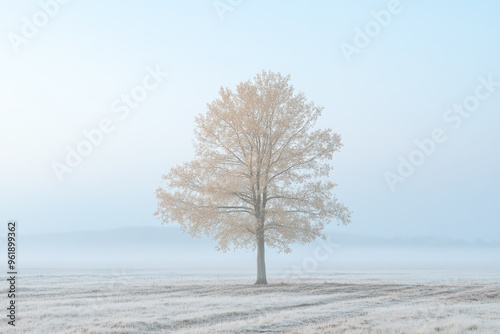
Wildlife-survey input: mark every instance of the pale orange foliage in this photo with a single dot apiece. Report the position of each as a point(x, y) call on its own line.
point(261, 169)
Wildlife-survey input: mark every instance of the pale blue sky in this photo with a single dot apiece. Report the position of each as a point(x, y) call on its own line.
point(65, 79)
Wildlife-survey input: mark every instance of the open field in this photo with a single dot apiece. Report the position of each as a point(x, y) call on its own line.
point(340, 302)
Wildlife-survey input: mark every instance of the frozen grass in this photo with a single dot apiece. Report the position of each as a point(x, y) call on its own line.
point(348, 302)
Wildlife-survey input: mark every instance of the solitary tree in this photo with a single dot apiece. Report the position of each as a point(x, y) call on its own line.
point(260, 173)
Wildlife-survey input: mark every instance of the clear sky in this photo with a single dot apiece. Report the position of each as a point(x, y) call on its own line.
point(68, 74)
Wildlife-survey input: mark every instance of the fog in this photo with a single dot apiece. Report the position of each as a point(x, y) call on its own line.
point(166, 247)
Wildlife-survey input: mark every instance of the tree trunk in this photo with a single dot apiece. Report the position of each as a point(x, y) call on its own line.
point(261, 260)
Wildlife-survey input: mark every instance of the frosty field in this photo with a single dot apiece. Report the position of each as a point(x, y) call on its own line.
point(346, 301)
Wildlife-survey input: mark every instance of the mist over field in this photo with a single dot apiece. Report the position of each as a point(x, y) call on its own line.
point(167, 247)
point(159, 280)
